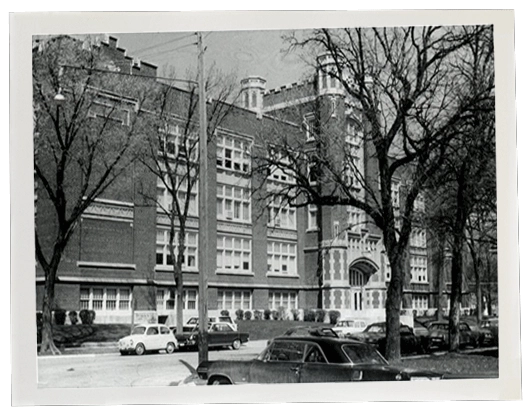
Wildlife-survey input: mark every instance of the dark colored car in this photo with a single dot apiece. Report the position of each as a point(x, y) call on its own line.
point(305, 331)
point(220, 334)
point(488, 330)
point(375, 334)
point(309, 360)
point(438, 337)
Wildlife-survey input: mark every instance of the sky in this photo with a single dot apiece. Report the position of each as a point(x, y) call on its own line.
point(241, 53)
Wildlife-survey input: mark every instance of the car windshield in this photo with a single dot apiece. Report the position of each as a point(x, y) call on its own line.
point(192, 321)
point(139, 330)
point(377, 329)
point(438, 327)
point(363, 354)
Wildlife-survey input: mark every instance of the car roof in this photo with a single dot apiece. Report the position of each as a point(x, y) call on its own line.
point(319, 340)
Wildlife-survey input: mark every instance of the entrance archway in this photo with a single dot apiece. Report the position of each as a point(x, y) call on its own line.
point(360, 271)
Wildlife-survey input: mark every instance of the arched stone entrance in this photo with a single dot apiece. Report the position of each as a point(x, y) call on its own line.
point(360, 271)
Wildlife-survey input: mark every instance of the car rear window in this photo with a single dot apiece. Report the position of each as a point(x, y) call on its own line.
point(362, 354)
point(139, 330)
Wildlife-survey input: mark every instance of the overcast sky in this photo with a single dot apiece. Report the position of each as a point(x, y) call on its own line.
point(261, 53)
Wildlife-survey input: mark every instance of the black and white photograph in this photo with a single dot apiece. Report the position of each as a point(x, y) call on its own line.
point(314, 205)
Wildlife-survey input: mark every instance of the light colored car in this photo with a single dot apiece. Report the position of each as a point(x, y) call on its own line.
point(148, 337)
point(346, 327)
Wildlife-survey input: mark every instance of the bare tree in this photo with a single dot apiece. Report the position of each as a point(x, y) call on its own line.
point(86, 126)
point(400, 85)
point(171, 155)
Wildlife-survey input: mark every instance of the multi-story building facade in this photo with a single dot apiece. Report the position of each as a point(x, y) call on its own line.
point(118, 263)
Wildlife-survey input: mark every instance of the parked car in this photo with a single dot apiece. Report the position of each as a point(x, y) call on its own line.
point(151, 337)
point(349, 326)
point(220, 334)
point(309, 360)
point(375, 334)
point(305, 331)
point(192, 322)
point(488, 329)
point(438, 337)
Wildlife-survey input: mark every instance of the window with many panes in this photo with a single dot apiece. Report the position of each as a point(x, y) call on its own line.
point(105, 298)
point(420, 302)
point(165, 199)
point(285, 298)
point(355, 219)
point(233, 153)
point(281, 215)
point(234, 253)
point(282, 257)
point(419, 269)
point(280, 172)
point(166, 299)
point(233, 203)
point(418, 238)
point(163, 249)
point(172, 141)
point(234, 299)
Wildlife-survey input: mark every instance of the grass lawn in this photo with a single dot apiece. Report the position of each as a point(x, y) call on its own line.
point(456, 364)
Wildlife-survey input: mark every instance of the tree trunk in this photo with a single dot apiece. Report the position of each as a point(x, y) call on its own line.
point(179, 280)
point(393, 301)
point(319, 266)
point(47, 345)
point(440, 275)
point(456, 292)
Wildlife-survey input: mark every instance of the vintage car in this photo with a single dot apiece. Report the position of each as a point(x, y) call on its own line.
point(304, 331)
point(193, 322)
point(438, 337)
point(309, 360)
point(349, 326)
point(149, 337)
point(220, 334)
point(375, 334)
point(488, 330)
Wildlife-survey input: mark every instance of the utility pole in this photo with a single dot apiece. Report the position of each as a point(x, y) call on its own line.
point(204, 225)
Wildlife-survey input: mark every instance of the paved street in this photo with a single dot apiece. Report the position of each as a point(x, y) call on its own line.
point(114, 370)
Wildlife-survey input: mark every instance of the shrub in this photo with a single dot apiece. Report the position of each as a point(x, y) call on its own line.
point(295, 314)
point(224, 313)
point(248, 315)
point(73, 317)
point(320, 315)
point(267, 313)
point(282, 313)
point(59, 316)
point(334, 316)
point(239, 313)
point(87, 316)
point(275, 315)
point(309, 315)
point(257, 315)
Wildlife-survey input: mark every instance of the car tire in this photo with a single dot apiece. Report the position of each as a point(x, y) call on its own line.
point(216, 381)
point(170, 348)
point(124, 352)
point(236, 344)
point(140, 349)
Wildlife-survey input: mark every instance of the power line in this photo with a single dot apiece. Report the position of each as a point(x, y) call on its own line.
point(168, 50)
point(161, 44)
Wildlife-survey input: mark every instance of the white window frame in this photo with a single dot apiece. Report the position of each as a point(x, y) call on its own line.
point(227, 299)
point(281, 215)
point(309, 126)
point(89, 300)
point(233, 153)
point(229, 197)
point(312, 217)
point(166, 299)
point(164, 197)
point(190, 252)
point(282, 257)
point(232, 254)
point(285, 298)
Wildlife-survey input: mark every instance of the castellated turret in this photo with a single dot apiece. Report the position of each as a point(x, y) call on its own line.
point(252, 91)
point(327, 83)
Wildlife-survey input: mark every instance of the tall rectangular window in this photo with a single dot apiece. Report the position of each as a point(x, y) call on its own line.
point(163, 249)
point(312, 223)
point(282, 257)
point(233, 153)
point(281, 215)
point(234, 253)
point(165, 198)
point(233, 203)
